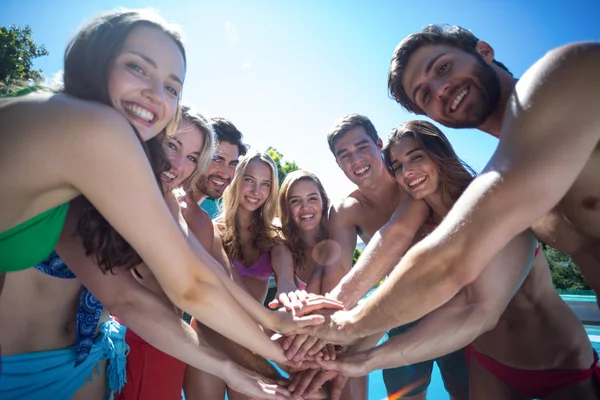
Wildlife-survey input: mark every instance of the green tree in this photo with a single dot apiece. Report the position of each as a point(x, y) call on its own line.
point(17, 52)
point(565, 274)
point(357, 254)
point(283, 167)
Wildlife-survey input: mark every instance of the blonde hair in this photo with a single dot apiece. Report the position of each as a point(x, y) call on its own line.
point(291, 232)
point(266, 234)
point(207, 151)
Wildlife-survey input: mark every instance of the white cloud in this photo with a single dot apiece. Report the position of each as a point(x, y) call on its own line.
point(246, 65)
point(260, 95)
point(231, 31)
point(54, 81)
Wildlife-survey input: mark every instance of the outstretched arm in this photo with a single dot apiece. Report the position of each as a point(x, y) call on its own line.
point(342, 232)
point(135, 306)
point(383, 252)
point(550, 128)
point(474, 311)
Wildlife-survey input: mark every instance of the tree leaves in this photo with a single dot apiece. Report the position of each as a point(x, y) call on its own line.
point(17, 52)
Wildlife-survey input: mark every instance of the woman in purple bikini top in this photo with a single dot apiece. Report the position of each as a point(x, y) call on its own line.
point(251, 240)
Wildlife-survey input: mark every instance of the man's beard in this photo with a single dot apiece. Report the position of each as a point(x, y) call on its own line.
point(489, 86)
point(204, 187)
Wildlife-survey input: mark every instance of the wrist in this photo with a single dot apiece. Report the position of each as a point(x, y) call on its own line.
point(373, 359)
point(353, 322)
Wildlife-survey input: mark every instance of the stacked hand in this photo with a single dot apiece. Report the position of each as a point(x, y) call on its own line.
point(310, 346)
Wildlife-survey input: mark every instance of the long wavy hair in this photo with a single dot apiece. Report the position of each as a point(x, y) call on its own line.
point(88, 59)
point(291, 231)
point(265, 233)
point(455, 174)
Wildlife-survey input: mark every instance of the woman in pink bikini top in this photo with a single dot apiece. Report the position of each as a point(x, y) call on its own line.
point(251, 240)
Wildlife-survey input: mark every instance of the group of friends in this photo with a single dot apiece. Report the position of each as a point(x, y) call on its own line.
point(104, 243)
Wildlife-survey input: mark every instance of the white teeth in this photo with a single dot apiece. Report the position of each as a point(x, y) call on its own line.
point(362, 170)
point(169, 175)
point(458, 99)
point(413, 183)
point(309, 216)
point(140, 112)
point(218, 182)
point(251, 200)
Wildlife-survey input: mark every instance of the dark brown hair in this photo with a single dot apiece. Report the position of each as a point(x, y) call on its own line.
point(348, 122)
point(88, 60)
point(455, 174)
point(454, 36)
point(290, 230)
point(225, 131)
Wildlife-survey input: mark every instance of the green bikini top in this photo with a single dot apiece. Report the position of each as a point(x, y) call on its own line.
point(29, 243)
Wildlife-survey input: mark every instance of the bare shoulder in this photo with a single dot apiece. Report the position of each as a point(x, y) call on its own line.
point(348, 208)
point(565, 71)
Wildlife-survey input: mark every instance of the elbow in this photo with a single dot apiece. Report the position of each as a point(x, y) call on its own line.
point(462, 275)
point(486, 317)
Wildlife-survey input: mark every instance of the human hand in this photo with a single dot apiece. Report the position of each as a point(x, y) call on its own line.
point(305, 384)
point(298, 347)
point(335, 328)
point(348, 364)
point(304, 303)
point(290, 299)
point(256, 386)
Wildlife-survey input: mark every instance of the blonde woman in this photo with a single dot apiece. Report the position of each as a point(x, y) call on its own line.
point(250, 238)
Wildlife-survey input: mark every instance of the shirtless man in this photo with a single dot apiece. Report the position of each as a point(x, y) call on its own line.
point(540, 176)
point(365, 212)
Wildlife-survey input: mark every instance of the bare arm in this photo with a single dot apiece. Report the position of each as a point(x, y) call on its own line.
point(474, 311)
point(342, 231)
point(137, 307)
point(383, 252)
point(314, 282)
point(550, 128)
point(283, 265)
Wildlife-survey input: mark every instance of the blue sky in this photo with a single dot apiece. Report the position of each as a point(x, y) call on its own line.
point(285, 71)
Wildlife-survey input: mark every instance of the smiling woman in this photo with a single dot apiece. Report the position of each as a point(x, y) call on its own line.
point(122, 79)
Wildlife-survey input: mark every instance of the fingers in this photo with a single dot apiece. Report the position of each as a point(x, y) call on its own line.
point(304, 365)
point(318, 381)
point(317, 304)
point(300, 382)
point(309, 320)
point(274, 304)
point(308, 344)
point(337, 386)
point(328, 365)
point(317, 347)
point(293, 348)
point(330, 350)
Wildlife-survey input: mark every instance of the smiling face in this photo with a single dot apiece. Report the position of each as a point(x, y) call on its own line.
point(453, 87)
point(413, 168)
point(182, 150)
point(146, 79)
point(256, 185)
point(221, 170)
point(305, 204)
point(359, 157)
